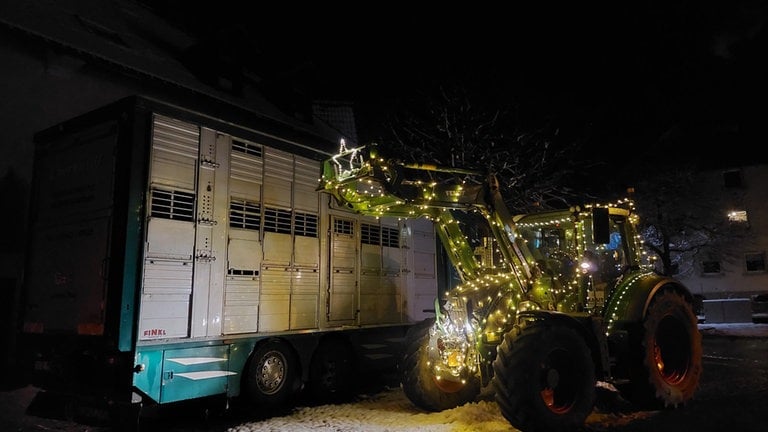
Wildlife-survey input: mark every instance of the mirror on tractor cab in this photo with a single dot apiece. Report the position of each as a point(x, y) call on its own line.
point(601, 226)
point(606, 259)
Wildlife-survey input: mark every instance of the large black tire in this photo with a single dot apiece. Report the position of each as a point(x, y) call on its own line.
point(273, 375)
point(544, 378)
point(418, 381)
point(333, 371)
point(667, 365)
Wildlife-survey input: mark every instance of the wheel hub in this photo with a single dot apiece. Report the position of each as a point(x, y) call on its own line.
point(553, 378)
point(271, 373)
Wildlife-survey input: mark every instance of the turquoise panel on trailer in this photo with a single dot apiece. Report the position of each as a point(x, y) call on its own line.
point(195, 372)
point(148, 378)
point(238, 356)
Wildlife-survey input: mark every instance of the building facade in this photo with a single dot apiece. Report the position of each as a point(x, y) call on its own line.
point(736, 267)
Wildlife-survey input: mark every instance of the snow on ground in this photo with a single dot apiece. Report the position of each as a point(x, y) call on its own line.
point(388, 411)
point(391, 411)
point(734, 329)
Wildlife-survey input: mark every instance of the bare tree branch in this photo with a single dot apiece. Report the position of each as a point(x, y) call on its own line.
point(454, 129)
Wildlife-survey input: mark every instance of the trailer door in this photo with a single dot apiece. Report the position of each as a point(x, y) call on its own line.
point(170, 242)
point(381, 281)
point(68, 259)
point(343, 293)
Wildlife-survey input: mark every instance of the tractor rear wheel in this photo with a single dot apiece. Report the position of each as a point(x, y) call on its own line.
point(544, 377)
point(667, 369)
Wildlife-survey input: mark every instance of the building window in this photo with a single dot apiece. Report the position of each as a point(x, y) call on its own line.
point(710, 267)
point(737, 216)
point(755, 262)
point(732, 179)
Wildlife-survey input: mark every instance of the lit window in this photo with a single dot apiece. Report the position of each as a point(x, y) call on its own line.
point(737, 216)
point(755, 261)
point(710, 267)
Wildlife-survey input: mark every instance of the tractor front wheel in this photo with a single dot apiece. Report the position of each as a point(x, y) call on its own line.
point(544, 377)
point(419, 382)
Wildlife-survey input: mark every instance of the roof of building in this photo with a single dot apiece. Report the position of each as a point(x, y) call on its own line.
point(128, 36)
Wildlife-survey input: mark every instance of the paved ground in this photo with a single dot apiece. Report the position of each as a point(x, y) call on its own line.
point(734, 329)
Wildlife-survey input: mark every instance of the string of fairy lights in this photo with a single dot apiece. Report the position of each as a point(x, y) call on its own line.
point(501, 291)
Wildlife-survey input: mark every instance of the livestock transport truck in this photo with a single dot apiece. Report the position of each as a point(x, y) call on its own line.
point(546, 307)
point(175, 255)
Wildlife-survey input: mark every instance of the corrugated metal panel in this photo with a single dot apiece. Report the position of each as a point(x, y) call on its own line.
point(305, 195)
point(278, 164)
point(305, 198)
point(175, 147)
point(175, 136)
point(370, 259)
point(246, 161)
point(167, 277)
point(164, 316)
point(380, 300)
point(279, 249)
point(170, 239)
point(307, 253)
point(307, 172)
point(277, 192)
point(244, 254)
point(424, 259)
point(343, 295)
point(241, 305)
point(305, 296)
point(422, 280)
point(275, 300)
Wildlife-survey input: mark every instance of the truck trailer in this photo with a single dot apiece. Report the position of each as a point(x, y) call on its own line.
point(176, 254)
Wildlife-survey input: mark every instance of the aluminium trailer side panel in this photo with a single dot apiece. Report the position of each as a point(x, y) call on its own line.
point(255, 242)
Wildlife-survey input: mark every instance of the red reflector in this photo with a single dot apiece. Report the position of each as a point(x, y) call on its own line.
point(93, 329)
point(33, 327)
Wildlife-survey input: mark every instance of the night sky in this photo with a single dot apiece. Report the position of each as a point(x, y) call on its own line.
point(681, 80)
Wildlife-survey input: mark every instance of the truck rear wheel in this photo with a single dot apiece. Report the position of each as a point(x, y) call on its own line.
point(544, 377)
point(420, 384)
point(332, 371)
point(272, 376)
point(667, 371)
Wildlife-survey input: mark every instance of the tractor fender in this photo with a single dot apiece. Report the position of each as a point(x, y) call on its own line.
point(629, 301)
point(587, 326)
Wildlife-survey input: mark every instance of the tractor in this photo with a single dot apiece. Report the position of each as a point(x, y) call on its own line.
point(544, 306)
